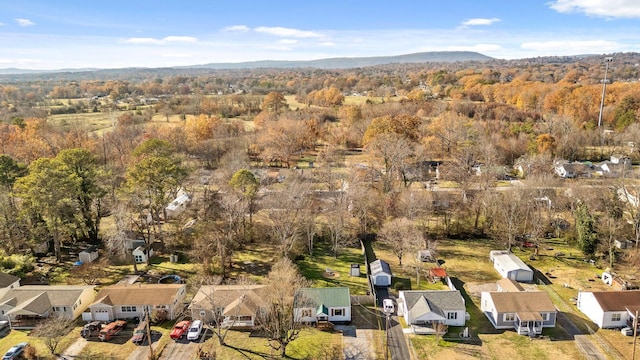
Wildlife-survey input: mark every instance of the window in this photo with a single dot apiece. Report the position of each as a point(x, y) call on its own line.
point(203, 313)
point(129, 309)
point(337, 312)
point(509, 317)
point(545, 316)
point(138, 258)
point(452, 315)
point(306, 313)
point(616, 317)
point(244, 318)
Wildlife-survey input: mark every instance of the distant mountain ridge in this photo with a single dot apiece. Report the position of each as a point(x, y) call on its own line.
point(329, 63)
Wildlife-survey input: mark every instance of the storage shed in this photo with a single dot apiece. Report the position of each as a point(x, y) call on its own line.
point(510, 266)
point(88, 255)
point(380, 273)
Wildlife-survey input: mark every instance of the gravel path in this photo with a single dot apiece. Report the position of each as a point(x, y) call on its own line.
point(74, 349)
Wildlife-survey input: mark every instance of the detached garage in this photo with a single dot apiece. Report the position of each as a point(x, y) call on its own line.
point(510, 266)
point(380, 273)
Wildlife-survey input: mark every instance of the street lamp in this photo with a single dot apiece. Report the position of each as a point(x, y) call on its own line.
point(607, 60)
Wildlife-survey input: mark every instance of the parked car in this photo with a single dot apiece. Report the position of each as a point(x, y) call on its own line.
point(90, 329)
point(111, 330)
point(627, 331)
point(139, 333)
point(4, 325)
point(387, 306)
point(194, 330)
point(180, 329)
point(15, 352)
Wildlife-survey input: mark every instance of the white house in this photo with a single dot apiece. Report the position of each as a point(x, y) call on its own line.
point(527, 312)
point(88, 255)
point(510, 266)
point(317, 305)
point(126, 301)
point(230, 306)
point(609, 309)
point(424, 310)
point(380, 273)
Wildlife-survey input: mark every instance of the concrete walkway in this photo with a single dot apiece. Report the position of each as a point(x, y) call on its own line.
point(74, 349)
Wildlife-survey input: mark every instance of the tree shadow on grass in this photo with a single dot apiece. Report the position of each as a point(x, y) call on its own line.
point(244, 352)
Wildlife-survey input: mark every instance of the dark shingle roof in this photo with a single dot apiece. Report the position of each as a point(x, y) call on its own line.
point(617, 300)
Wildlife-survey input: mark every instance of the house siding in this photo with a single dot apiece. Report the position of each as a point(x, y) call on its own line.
point(589, 306)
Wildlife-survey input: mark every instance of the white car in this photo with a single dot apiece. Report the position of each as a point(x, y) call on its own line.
point(194, 330)
point(387, 306)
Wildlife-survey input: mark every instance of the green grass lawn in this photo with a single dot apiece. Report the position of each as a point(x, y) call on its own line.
point(17, 336)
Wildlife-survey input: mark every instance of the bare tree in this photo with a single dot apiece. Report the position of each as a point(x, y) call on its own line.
point(52, 330)
point(279, 321)
point(401, 236)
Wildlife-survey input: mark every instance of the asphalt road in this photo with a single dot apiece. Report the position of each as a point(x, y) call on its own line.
point(396, 342)
point(181, 349)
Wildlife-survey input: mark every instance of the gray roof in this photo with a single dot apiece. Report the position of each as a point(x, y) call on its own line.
point(420, 302)
point(379, 267)
point(7, 279)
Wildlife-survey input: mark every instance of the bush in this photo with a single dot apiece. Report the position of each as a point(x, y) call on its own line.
point(16, 264)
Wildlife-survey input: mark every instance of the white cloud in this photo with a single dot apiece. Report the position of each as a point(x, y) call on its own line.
point(177, 55)
point(287, 41)
point(240, 28)
point(24, 22)
point(185, 39)
point(143, 41)
point(287, 32)
point(599, 8)
point(165, 40)
point(480, 21)
point(328, 43)
point(571, 46)
point(3, 24)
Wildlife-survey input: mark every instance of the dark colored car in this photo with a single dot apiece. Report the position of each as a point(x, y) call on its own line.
point(140, 333)
point(15, 352)
point(180, 329)
point(90, 329)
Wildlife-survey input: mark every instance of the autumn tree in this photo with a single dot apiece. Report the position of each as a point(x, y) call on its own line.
point(279, 321)
point(274, 102)
point(389, 153)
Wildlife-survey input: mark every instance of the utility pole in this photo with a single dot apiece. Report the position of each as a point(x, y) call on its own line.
point(635, 335)
point(148, 326)
point(607, 60)
point(386, 339)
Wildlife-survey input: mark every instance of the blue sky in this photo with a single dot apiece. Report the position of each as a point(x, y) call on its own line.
point(48, 34)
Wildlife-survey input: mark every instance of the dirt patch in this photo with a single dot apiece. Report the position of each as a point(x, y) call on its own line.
point(330, 275)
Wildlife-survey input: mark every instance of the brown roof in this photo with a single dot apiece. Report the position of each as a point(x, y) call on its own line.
point(522, 302)
point(617, 300)
point(230, 297)
point(509, 285)
point(139, 294)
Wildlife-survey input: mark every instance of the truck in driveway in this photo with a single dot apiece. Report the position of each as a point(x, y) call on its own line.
point(111, 330)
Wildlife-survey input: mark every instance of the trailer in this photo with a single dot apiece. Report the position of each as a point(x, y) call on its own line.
point(111, 330)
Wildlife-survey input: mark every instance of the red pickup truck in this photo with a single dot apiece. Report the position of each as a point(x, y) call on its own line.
point(180, 329)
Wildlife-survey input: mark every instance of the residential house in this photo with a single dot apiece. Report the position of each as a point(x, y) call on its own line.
point(230, 306)
point(508, 285)
point(609, 309)
point(510, 266)
point(88, 255)
point(380, 273)
point(24, 306)
point(431, 312)
point(527, 312)
point(9, 281)
point(323, 305)
point(568, 170)
point(124, 301)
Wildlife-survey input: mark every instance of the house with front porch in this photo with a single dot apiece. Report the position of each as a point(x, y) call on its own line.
point(323, 306)
point(25, 306)
point(432, 311)
point(126, 301)
point(229, 306)
point(610, 309)
point(527, 312)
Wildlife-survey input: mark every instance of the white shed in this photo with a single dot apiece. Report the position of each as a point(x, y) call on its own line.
point(380, 273)
point(140, 254)
point(510, 266)
point(88, 255)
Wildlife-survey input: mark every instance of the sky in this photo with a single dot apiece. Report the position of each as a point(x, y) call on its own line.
point(72, 34)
